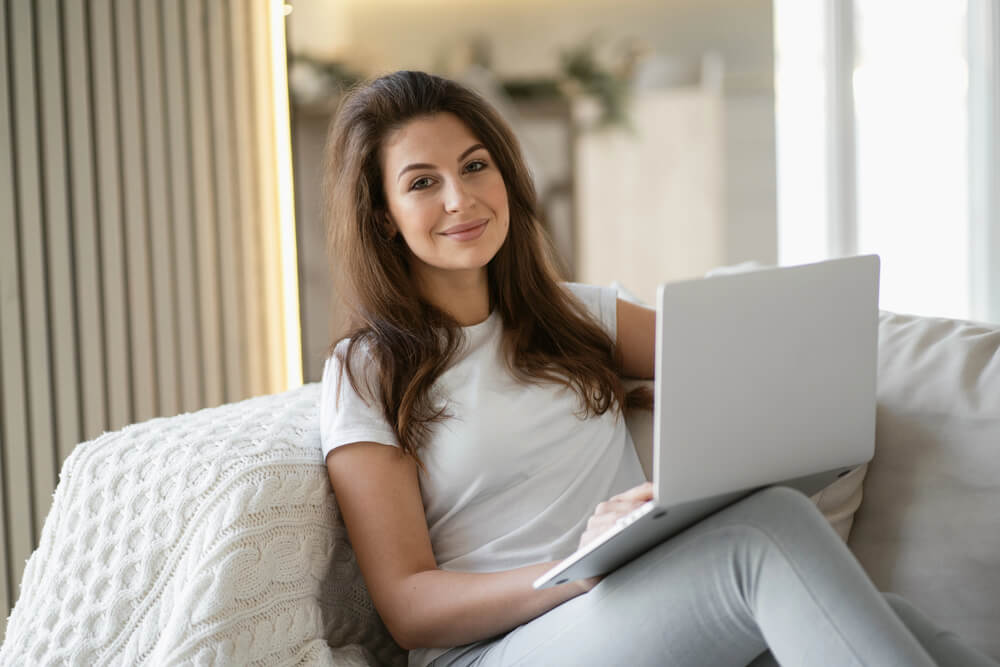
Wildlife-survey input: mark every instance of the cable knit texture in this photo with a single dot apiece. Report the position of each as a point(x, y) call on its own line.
point(210, 538)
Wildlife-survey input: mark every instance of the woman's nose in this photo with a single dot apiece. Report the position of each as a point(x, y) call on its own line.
point(457, 197)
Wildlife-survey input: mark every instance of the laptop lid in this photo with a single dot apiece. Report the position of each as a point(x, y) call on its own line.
point(764, 376)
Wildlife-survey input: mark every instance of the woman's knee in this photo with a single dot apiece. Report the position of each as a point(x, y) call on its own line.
point(779, 503)
point(784, 515)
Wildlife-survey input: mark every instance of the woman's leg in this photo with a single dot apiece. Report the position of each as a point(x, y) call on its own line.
point(945, 647)
point(767, 572)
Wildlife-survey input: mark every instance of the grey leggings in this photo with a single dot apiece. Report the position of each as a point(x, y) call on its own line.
point(765, 580)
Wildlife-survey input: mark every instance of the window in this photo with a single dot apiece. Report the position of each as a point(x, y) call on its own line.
point(908, 137)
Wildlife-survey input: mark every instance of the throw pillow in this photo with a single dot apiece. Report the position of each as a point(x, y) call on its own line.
point(206, 538)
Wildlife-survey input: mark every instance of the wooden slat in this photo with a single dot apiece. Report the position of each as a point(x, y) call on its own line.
point(40, 455)
point(33, 266)
point(244, 124)
point(59, 236)
point(267, 224)
point(140, 292)
point(181, 211)
point(157, 179)
point(87, 268)
point(204, 208)
point(114, 276)
point(223, 113)
point(16, 535)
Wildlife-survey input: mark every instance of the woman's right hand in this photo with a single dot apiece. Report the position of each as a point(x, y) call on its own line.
point(607, 513)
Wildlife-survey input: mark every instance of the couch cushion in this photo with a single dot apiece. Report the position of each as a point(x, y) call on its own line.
point(929, 527)
point(206, 538)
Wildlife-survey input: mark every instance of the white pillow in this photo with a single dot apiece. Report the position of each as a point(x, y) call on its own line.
point(206, 538)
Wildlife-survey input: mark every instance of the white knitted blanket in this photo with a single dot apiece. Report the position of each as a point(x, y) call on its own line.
point(206, 538)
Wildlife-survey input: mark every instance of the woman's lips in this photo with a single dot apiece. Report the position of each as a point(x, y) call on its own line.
point(469, 234)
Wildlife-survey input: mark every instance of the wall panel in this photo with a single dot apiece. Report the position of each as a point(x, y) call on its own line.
point(139, 242)
point(85, 230)
point(135, 222)
point(59, 257)
point(16, 537)
point(222, 111)
point(181, 205)
point(244, 123)
point(205, 192)
point(34, 281)
point(107, 151)
point(156, 168)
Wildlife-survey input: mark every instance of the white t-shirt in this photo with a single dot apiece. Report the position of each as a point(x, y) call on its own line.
point(512, 477)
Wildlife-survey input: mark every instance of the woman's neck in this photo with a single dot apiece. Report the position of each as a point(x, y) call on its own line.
point(465, 297)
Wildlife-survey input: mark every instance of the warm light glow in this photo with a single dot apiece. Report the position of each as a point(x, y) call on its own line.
point(286, 198)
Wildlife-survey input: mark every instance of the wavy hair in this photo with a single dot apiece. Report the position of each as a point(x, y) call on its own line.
point(548, 335)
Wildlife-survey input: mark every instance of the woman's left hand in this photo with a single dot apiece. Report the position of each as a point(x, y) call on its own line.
point(607, 513)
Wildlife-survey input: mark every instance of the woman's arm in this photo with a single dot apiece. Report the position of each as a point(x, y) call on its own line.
point(378, 494)
point(636, 339)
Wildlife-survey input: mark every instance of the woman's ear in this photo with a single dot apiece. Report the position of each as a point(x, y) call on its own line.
point(388, 226)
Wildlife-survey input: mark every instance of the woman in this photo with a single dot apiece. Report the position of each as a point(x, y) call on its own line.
point(472, 421)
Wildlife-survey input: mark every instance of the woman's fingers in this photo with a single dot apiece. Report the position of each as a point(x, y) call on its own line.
point(622, 504)
point(642, 493)
point(608, 512)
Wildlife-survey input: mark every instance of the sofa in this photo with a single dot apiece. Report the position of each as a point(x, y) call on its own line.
point(214, 537)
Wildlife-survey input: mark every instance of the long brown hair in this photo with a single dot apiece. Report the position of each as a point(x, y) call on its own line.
point(548, 335)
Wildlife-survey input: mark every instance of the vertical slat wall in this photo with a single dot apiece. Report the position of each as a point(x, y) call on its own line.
point(140, 270)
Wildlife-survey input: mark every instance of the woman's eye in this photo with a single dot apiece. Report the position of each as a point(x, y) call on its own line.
point(476, 165)
point(420, 183)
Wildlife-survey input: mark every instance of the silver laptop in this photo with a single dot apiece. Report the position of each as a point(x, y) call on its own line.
point(761, 378)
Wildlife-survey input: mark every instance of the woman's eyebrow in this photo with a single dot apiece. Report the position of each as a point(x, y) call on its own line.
point(424, 165)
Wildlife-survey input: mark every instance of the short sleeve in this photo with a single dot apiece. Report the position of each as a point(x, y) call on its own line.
point(602, 302)
point(344, 416)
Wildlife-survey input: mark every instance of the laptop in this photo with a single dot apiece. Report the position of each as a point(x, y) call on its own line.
point(761, 378)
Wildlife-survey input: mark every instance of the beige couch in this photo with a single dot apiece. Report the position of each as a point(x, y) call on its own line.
point(928, 525)
point(213, 537)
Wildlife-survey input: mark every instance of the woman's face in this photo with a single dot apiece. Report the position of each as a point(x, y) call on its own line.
point(445, 196)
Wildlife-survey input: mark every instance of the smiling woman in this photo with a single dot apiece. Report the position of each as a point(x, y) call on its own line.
point(472, 428)
point(433, 227)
